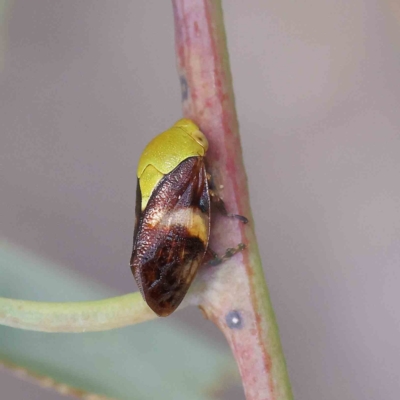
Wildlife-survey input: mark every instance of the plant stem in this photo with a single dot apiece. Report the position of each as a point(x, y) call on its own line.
point(84, 316)
point(234, 295)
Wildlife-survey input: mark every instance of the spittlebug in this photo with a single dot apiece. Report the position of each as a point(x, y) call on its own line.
point(172, 224)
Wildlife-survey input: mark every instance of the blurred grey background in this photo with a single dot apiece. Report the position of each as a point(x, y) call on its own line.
point(84, 86)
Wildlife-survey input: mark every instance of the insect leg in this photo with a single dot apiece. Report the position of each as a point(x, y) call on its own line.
point(212, 258)
point(219, 203)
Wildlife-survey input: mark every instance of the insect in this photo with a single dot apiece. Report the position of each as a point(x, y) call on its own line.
point(172, 224)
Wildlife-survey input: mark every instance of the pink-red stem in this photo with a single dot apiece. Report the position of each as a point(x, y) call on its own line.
point(234, 295)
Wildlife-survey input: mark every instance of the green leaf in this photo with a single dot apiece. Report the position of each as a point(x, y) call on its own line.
point(5, 6)
point(147, 361)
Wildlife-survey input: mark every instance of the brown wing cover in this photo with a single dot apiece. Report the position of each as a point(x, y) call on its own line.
point(171, 236)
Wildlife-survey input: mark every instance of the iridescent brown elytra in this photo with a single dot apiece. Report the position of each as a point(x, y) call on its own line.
point(172, 225)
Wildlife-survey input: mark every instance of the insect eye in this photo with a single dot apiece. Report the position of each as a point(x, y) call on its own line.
point(200, 138)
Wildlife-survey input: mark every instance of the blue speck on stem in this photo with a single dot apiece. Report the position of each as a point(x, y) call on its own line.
point(234, 319)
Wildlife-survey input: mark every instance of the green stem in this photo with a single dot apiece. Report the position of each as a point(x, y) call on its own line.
point(85, 316)
point(234, 295)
